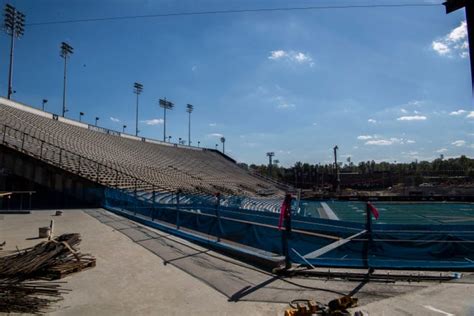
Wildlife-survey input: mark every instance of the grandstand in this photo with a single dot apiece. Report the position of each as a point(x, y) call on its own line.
point(173, 188)
point(149, 168)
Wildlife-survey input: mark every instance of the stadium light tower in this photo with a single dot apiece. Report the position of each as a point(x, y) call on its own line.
point(199, 143)
point(43, 104)
point(96, 120)
point(270, 165)
point(66, 50)
point(81, 114)
point(217, 145)
point(123, 128)
point(223, 144)
point(189, 109)
point(169, 139)
point(137, 89)
point(166, 105)
point(14, 26)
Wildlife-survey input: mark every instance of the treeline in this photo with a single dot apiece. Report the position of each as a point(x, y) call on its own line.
point(370, 174)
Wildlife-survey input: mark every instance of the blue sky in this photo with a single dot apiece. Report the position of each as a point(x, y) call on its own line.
point(384, 83)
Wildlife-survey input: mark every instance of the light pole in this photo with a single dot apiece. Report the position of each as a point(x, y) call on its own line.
point(137, 89)
point(336, 166)
point(123, 128)
point(66, 50)
point(189, 109)
point(179, 141)
point(43, 103)
point(96, 119)
point(199, 143)
point(223, 144)
point(270, 157)
point(81, 114)
point(15, 27)
point(217, 145)
point(166, 105)
point(169, 139)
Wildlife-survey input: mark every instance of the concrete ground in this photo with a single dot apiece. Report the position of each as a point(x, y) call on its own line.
point(131, 277)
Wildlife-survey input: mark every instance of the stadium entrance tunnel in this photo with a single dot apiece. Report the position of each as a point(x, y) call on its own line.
point(28, 183)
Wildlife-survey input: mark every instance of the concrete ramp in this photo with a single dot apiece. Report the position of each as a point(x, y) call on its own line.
point(326, 212)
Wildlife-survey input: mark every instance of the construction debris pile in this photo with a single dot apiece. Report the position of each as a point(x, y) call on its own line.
point(21, 272)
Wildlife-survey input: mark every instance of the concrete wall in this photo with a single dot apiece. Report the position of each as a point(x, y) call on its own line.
point(51, 177)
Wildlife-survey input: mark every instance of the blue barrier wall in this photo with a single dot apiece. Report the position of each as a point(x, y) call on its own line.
point(441, 247)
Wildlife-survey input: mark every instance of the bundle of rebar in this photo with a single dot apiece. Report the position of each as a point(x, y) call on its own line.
point(50, 259)
point(28, 297)
point(20, 291)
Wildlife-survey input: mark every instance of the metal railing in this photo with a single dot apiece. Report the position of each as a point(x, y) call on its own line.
point(74, 162)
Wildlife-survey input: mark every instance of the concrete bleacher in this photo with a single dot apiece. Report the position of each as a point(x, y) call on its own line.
point(118, 160)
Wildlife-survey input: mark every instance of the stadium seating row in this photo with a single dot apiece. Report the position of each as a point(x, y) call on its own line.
point(109, 159)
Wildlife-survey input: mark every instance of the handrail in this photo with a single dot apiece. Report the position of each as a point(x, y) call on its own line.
point(99, 164)
point(275, 182)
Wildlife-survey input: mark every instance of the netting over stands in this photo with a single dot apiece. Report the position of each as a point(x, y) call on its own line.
point(444, 247)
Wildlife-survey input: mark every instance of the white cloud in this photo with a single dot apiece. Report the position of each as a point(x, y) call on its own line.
point(441, 48)
point(458, 112)
point(153, 121)
point(459, 143)
point(403, 110)
point(302, 58)
point(292, 56)
point(194, 68)
point(410, 141)
point(212, 124)
point(442, 150)
point(277, 54)
point(372, 121)
point(215, 135)
point(412, 118)
point(364, 137)
point(379, 142)
point(470, 115)
point(454, 42)
point(286, 106)
point(375, 140)
point(114, 119)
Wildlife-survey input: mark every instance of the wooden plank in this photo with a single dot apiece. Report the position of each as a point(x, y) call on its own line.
point(332, 246)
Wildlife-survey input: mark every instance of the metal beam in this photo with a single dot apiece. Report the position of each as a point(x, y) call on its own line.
point(330, 247)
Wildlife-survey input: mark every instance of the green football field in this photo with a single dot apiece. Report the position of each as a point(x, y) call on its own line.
point(398, 212)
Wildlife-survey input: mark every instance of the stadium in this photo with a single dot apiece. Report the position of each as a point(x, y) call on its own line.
point(190, 223)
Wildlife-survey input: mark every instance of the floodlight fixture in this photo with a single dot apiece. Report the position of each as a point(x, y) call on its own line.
point(43, 104)
point(223, 144)
point(189, 109)
point(137, 89)
point(66, 51)
point(270, 156)
point(14, 26)
point(166, 105)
